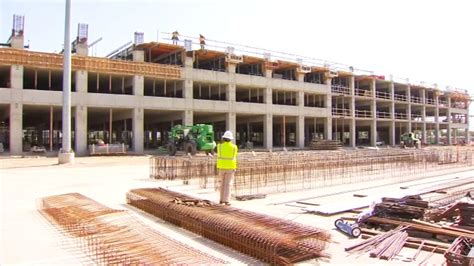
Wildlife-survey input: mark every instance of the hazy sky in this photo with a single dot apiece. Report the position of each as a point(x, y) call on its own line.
point(429, 41)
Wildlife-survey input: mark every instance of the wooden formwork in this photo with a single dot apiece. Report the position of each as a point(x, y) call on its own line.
point(9, 56)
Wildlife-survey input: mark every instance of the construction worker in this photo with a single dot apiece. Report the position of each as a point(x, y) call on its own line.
point(226, 165)
point(175, 37)
point(202, 41)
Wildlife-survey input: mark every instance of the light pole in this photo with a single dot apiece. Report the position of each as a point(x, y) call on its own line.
point(66, 155)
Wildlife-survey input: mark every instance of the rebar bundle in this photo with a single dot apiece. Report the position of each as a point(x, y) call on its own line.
point(273, 240)
point(113, 236)
point(268, 173)
point(384, 246)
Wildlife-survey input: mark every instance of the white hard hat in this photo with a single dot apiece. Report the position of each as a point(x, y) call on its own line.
point(228, 135)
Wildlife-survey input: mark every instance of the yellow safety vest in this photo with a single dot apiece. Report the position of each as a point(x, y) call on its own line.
point(227, 156)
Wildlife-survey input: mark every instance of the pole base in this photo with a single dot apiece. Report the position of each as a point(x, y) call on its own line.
point(65, 157)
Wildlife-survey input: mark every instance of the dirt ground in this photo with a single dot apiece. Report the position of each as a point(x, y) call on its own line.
point(27, 238)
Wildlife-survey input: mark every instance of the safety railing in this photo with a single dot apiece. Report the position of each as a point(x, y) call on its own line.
point(363, 113)
point(400, 97)
point(416, 117)
point(416, 99)
point(340, 89)
point(341, 112)
point(364, 93)
point(382, 95)
point(443, 103)
point(430, 101)
point(381, 114)
point(400, 116)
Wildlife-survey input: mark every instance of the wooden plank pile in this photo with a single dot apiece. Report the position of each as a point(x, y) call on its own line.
point(409, 207)
point(322, 144)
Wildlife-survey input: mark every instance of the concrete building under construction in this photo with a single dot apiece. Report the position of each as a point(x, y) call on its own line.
point(136, 94)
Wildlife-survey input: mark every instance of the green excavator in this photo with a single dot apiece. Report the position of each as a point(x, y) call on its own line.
point(191, 139)
point(409, 140)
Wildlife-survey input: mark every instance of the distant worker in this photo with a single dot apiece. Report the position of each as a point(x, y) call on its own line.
point(175, 37)
point(202, 41)
point(226, 165)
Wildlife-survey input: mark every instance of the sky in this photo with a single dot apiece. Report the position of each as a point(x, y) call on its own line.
point(428, 41)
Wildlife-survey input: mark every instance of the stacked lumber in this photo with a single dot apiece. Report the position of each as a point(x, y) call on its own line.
point(410, 207)
point(322, 144)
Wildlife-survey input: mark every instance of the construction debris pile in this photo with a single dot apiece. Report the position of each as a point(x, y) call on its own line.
point(282, 172)
point(273, 240)
point(442, 212)
point(113, 236)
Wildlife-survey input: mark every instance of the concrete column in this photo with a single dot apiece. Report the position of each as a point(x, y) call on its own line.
point(328, 128)
point(423, 96)
point(392, 134)
point(436, 133)
point(300, 76)
point(300, 131)
point(188, 89)
point(137, 130)
point(230, 67)
point(409, 108)
point(231, 93)
point(268, 131)
point(352, 133)
point(16, 77)
point(82, 49)
point(16, 129)
point(80, 117)
point(18, 42)
point(448, 135)
point(81, 81)
point(373, 133)
point(392, 103)
point(300, 98)
point(467, 135)
point(423, 133)
point(187, 117)
point(268, 96)
point(268, 72)
point(455, 136)
point(230, 123)
point(373, 108)
point(138, 55)
point(138, 85)
point(352, 99)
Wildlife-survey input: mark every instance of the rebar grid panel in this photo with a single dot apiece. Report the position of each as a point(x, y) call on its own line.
point(282, 172)
point(111, 236)
point(270, 239)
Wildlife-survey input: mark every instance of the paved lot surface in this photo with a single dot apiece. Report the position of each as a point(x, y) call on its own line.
point(27, 238)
